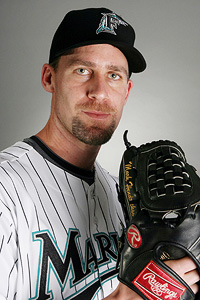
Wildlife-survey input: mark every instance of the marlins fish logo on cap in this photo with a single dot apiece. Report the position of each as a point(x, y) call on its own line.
point(108, 22)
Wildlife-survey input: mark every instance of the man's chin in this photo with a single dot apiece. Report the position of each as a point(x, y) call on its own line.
point(96, 139)
point(93, 135)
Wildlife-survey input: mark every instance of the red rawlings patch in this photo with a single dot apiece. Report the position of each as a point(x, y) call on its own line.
point(155, 284)
point(134, 237)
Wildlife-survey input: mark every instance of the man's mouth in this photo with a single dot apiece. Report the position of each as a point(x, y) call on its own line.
point(98, 115)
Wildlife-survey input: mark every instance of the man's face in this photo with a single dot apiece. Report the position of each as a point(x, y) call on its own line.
point(91, 87)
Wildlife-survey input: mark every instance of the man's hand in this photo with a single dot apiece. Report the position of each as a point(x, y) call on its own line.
point(187, 270)
point(184, 267)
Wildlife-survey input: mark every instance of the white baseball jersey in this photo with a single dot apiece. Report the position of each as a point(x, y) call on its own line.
point(58, 227)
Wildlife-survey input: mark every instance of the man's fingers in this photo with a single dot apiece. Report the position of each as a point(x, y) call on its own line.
point(187, 270)
point(182, 265)
point(191, 277)
point(194, 288)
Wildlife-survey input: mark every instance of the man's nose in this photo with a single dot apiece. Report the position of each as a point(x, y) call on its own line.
point(98, 88)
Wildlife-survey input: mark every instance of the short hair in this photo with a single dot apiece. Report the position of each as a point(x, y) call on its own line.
point(55, 62)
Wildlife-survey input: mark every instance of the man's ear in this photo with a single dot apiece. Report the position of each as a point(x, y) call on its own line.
point(129, 87)
point(47, 78)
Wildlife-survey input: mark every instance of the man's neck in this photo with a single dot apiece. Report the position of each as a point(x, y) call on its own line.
point(69, 148)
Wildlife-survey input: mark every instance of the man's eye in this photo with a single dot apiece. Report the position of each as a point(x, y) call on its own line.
point(114, 76)
point(82, 71)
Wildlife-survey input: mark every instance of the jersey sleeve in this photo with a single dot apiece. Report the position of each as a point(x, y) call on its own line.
point(8, 252)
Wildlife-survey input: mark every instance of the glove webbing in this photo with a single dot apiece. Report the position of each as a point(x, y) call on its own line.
point(167, 174)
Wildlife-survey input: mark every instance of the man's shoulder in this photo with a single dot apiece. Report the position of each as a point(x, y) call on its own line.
point(14, 152)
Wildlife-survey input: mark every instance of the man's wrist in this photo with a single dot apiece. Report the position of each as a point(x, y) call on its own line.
point(123, 292)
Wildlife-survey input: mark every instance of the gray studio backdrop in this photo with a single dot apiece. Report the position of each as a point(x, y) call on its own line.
point(165, 100)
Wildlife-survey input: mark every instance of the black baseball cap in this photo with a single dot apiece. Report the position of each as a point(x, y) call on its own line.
point(96, 26)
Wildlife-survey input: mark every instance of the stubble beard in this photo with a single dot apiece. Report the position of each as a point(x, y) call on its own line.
point(92, 135)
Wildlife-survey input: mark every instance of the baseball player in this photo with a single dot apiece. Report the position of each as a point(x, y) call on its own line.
point(59, 214)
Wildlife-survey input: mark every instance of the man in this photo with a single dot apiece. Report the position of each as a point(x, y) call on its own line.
point(59, 213)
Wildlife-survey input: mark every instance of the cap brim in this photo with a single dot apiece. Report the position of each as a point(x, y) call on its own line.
point(135, 59)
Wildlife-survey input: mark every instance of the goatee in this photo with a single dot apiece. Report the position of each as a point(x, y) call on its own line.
point(92, 135)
